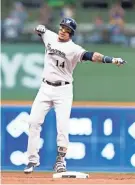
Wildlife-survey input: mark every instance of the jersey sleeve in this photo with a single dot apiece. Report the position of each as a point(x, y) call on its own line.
point(47, 36)
point(79, 52)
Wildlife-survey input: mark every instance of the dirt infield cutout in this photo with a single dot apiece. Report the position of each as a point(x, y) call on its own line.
point(47, 178)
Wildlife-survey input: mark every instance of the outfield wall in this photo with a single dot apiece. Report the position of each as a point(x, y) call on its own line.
point(101, 139)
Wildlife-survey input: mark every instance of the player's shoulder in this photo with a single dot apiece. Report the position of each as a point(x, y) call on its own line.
point(76, 46)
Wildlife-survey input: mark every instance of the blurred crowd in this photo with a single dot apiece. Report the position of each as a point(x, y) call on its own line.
point(112, 32)
point(14, 25)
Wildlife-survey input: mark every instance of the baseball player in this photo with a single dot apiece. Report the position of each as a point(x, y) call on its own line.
point(61, 57)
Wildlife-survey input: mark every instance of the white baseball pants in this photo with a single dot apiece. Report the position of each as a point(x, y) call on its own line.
point(61, 98)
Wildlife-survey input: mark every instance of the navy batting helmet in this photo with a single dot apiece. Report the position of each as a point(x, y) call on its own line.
point(70, 23)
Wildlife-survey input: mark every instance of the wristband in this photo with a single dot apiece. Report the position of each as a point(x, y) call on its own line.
point(107, 59)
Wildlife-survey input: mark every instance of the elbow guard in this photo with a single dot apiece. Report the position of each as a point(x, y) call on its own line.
point(88, 56)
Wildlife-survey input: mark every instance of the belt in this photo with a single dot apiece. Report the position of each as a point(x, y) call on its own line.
point(58, 83)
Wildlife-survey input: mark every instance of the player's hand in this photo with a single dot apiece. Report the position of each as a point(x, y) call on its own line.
point(118, 61)
point(40, 29)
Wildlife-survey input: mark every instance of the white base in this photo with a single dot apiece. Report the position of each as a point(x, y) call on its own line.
point(70, 174)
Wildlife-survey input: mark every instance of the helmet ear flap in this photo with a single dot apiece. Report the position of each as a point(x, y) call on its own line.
point(72, 33)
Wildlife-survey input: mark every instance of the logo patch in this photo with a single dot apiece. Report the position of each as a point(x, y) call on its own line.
point(68, 21)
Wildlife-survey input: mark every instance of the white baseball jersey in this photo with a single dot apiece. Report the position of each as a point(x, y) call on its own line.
point(60, 61)
point(60, 58)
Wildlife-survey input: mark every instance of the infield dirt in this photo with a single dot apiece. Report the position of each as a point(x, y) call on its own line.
point(46, 178)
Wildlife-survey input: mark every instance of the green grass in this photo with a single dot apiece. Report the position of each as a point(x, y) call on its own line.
point(106, 82)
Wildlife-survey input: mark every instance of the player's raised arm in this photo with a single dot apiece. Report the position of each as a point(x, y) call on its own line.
point(98, 57)
point(40, 30)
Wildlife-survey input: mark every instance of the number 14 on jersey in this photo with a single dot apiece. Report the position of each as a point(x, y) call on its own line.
point(60, 65)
